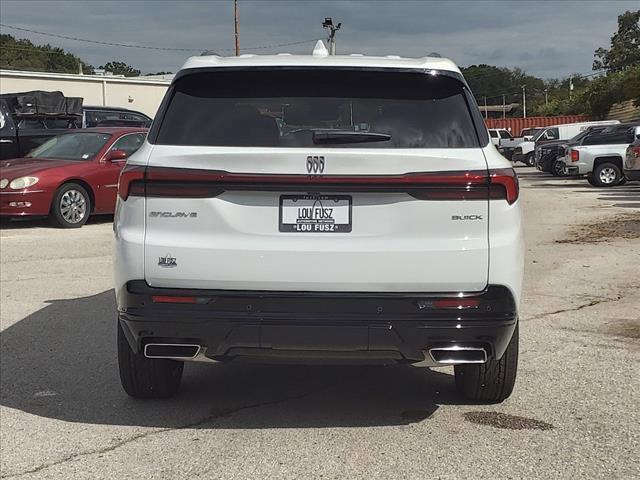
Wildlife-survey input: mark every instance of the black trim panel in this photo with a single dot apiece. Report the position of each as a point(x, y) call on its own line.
point(230, 323)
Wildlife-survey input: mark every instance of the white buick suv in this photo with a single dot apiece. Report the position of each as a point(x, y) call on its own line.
point(314, 208)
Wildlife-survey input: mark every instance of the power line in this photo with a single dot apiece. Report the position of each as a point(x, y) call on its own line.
point(27, 49)
point(172, 49)
point(112, 44)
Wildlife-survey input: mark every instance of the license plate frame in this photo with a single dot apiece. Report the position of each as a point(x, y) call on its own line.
point(326, 224)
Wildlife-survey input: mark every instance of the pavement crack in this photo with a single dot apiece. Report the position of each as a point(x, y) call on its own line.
point(591, 303)
point(217, 414)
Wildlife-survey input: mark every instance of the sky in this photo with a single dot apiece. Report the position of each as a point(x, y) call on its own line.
point(544, 38)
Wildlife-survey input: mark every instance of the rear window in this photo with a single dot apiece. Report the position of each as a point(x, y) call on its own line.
point(318, 108)
point(610, 136)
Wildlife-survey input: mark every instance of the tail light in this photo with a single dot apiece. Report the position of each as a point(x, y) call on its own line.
point(131, 181)
point(505, 181)
point(633, 152)
point(173, 299)
point(575, 155)
point(194, 183)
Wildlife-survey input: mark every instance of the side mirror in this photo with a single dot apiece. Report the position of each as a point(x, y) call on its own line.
point(116, 155)
point(637, 132)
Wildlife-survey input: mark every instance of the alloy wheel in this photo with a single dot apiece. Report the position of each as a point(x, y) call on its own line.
point(608, 175)
point(73, 206)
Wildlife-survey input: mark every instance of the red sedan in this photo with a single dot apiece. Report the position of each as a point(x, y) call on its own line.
point(69, 177)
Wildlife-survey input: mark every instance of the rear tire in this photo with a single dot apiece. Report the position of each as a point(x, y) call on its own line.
point(557, 168)
point(529, 160)
point(143, 377)
point(493, 381)
point(607, 174)
point(71, 206)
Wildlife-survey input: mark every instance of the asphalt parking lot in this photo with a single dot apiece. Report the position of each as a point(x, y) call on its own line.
point(574, 412)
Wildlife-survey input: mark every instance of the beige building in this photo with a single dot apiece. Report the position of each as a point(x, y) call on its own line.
point(137, 93)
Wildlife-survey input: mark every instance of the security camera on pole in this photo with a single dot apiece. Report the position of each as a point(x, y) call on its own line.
point(328, 24)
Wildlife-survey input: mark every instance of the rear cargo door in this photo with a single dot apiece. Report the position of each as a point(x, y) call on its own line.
point(301, 181)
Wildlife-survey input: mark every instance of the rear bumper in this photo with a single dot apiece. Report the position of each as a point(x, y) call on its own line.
point(572, 170)
point(632, 174)
point(517, 156)
point(322, 327)
point(506, 152)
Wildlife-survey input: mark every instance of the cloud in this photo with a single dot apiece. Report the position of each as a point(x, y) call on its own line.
point(549, 39)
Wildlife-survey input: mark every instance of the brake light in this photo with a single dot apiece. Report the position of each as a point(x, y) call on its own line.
point(195, 183)
point(633, 152)
point(575, 155)
point(506, 181)
point(131, 181)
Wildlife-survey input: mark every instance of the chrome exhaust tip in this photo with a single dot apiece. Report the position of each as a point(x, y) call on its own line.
point(456, 355)
point(172, 351)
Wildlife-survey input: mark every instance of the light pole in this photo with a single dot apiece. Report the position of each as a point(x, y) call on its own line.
point(524, 101)
point(236, 26)
point(504, 106)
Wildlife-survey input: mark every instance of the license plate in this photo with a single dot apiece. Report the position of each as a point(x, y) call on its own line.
point(315, 213)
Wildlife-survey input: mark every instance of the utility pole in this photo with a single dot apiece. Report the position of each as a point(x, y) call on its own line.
point(570, 86)
point(546, 97)
point(486, 112)
point(524, 101)
point(236, 26)
point(504, 106)
point(328, 25)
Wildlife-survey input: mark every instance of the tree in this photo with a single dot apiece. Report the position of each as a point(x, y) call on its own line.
point(120, 68)
point(23, 55)
point(625, 45)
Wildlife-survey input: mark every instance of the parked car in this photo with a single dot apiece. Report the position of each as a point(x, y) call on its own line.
point(94, 116)
point(69, 177)
point(600, 155)
point(632, 158)
point(547, 155)
point(506, 146)
point(497, 134)
point(524, 152)
point(29, 119)
point(318, 209)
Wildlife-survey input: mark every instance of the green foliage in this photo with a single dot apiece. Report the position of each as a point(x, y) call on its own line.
point(625, 45)
point(603, 92)
point(492, 82)
point(24, 55)
point(631, 86)
point(120, 68)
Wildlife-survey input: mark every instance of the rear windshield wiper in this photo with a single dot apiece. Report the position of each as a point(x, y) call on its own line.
point(322, 137)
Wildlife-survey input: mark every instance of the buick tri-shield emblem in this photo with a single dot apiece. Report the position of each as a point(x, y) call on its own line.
point(315, 164)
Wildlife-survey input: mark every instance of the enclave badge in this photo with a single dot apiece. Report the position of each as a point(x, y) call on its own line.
point(167, 262)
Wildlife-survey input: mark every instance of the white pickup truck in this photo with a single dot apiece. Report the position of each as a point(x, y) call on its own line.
point(601, 154)
point(506, 145)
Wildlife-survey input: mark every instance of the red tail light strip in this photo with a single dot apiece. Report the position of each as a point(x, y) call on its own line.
point(173, 299)
point(181, 182)
point(129, 175)
point(457, 303)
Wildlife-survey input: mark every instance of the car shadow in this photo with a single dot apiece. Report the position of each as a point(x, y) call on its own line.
point(42, 222)
point(626, 196)
point(60, 363)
